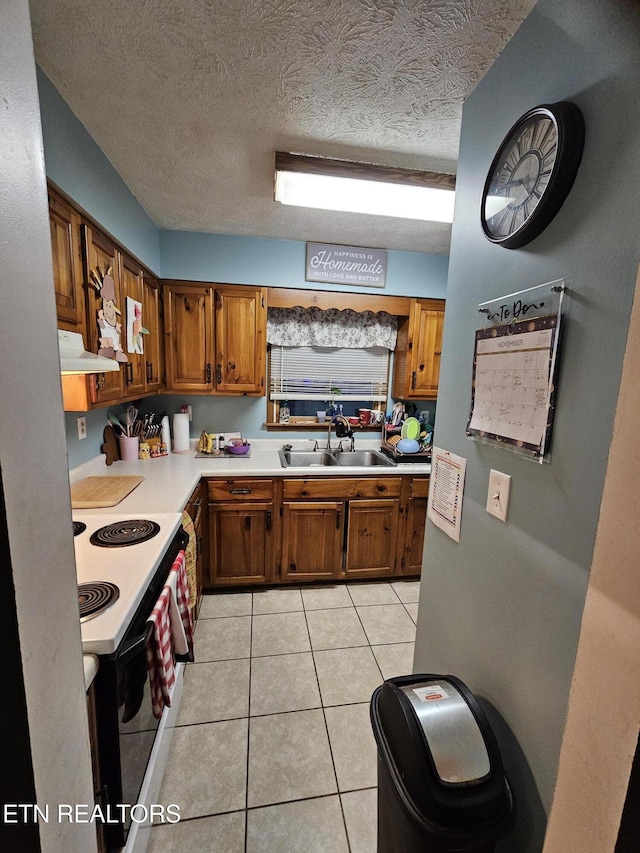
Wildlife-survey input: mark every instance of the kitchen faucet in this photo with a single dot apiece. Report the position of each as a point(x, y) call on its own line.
point(343, 430)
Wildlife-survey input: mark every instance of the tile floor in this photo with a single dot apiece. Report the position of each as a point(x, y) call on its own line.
point(273, 749)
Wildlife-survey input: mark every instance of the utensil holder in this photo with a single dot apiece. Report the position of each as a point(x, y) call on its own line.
point(129, 447)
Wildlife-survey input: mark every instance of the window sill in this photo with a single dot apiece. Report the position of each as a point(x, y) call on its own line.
point(306, 426)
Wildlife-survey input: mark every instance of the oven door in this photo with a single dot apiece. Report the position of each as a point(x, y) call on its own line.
point(125, 722)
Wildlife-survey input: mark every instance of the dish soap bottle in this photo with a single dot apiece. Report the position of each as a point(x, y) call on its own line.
point(285, 413)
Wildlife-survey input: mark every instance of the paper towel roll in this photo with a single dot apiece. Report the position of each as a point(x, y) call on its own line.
point(166, 432)
point(180, 433)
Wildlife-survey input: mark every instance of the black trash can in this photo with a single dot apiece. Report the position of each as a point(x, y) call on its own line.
point(441, 784)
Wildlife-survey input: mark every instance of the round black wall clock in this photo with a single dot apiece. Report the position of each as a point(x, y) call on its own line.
point(532, 173)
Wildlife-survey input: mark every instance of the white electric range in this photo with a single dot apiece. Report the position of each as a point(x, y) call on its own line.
point(129, 567)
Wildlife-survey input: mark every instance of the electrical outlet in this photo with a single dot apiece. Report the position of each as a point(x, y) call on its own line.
point(498, 496)
point(82, 427)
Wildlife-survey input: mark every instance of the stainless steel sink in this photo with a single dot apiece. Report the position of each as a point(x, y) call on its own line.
point(362, 457)
point(306, 458)
point(315, 458)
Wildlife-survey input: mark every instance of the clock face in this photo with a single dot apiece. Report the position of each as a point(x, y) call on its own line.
point(531, 174)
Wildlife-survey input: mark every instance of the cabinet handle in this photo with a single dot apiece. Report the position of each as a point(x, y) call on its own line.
point(208, 373)
point(218, 373)
point(247, 522)
point(438, 352)
point(129, 379)
point(413, 379)
point(239, 491)
point(338, 517)
point(268, 521)
point(149, 372)
point(292, 567)
point(99, 381)
point(197, 503)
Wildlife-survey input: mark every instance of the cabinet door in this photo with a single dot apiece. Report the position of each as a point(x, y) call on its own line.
point(66, 250)
point(240, 543)
point(197, 510)
point(99, 251)
point(372, 537)
point(428, 323)
point(131, 286)
point(312, 536)
point(240, 327)
point(153, 342)
point(411, 563)
point(416, 362)
point(189, 338)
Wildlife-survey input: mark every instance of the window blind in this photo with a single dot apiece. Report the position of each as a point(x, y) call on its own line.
point(313, 373)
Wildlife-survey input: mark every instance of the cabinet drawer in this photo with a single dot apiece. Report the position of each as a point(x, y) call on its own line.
point(240, 490)
point(332, 487)
point(420, 488)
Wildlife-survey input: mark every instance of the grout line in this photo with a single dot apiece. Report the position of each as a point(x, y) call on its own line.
point(246, 786)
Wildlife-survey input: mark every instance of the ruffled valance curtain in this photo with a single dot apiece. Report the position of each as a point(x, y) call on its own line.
point(317, 327)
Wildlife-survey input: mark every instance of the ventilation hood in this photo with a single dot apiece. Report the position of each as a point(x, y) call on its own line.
point(75, 359)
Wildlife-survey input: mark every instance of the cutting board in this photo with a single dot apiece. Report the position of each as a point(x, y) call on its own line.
point(95, 492)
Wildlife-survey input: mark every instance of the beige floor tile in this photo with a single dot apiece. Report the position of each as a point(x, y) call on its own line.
point(412, 609)
point(279, 634)
point(408, 591)
point(360, 813)
point(394, 659)
point(276, 601)
point(214, 691)
point(372, 593)
point(219, 834)
point(335, 629)
point(207, 768)
point(312, 826)
point(387, 623)
point(281, 683)
point(347, 675)
point(223, 639)
point(225, 604)
point(289, 758)
point(321, 597)
point(353, 746)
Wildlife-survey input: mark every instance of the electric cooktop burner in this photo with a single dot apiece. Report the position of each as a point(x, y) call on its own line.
point(79, 527)
point(95, 597)
point(128, 532)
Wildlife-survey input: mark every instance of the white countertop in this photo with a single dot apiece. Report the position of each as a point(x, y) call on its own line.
point(170, 480)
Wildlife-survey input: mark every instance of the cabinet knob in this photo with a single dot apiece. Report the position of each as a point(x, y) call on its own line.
point(219, 373)
point(413, 379)
point(208, 373)
point(292, 567)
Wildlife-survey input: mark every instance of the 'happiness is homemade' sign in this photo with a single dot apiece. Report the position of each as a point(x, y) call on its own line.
point(346, 265)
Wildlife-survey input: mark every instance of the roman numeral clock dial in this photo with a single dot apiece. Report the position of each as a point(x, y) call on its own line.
point(532, 173)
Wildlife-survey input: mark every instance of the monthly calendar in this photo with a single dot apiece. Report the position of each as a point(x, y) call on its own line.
point(512, 392)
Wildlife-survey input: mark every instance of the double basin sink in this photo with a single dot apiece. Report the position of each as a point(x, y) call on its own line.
point(320, 458)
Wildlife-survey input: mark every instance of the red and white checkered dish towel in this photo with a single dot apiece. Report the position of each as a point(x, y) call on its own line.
point(160, 663)
point(181, 612)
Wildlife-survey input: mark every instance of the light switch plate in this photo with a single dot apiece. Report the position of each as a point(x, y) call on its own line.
point(498, 495)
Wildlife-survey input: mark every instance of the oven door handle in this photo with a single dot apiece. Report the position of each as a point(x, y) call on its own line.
point(136, 645)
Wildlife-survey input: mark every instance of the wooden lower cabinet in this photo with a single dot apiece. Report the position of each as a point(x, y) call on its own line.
point(312, 537)
point(197, 510)
point(302, 530)
point(372, 537)
point(241, 543)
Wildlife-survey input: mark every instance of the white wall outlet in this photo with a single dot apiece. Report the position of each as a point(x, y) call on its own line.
point(82, 427)
point(498, 496)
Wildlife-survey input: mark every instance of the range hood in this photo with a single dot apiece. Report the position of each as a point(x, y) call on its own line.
point(75, 359)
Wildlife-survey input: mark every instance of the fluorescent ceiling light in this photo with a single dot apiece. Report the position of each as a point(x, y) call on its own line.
point(363, 188)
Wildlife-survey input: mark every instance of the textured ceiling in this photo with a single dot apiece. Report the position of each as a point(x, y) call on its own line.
point(189, 99)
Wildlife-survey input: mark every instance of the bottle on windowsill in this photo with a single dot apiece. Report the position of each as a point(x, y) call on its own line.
point(285, 413)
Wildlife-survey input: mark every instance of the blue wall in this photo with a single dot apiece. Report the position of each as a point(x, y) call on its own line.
point(502, 608)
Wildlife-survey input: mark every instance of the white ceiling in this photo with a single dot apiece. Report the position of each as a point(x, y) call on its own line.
point(189, 99)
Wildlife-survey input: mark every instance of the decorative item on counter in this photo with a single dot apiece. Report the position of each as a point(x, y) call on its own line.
point(181, 432)
point(110, 446)
point(285, 413)
point(108, 323)
point(144, 451)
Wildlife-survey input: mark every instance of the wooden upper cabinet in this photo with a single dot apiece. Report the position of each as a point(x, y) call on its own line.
point(153, 342)
point(418, 350)
point(224, 354)
point(189, 338)
point(100, 252)
point(131, 285)
point(66, 250)
point(240, 340)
